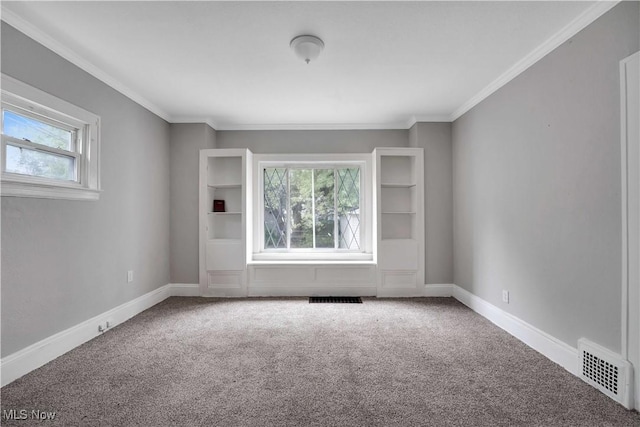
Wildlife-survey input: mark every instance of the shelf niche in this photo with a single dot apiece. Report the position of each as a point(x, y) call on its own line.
point(400, 216)
point(398, 196)
point(223, 176)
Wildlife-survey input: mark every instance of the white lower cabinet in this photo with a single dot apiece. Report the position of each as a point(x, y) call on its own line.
point(312, 280)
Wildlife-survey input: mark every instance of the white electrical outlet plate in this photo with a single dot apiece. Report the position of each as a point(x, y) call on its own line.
point(129, 276)
point(505, 296)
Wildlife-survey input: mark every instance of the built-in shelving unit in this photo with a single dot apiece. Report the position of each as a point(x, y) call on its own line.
point(400, 214)
point(394, 206)
point(223, 177)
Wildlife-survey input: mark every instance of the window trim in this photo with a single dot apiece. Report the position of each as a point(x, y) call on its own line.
point(37, 103)
point(363, 161)
point(75, 127)
point(309, 166)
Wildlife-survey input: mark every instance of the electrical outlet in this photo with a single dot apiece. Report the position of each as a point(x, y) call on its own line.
point(129, 276)
point(107, 324)
point(505, 296)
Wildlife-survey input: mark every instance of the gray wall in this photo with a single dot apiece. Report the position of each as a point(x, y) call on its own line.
point(64, 262)
point(312, 141)
point(537, 187)
point(186, 142)
point(435, 139)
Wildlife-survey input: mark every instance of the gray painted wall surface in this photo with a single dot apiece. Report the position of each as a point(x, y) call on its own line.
point(435, 139)
point(537, 187)
point(187, 139)
point(64, 262)
point(312, 141)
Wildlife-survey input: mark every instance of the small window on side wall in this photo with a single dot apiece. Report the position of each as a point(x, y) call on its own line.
point(50, 148)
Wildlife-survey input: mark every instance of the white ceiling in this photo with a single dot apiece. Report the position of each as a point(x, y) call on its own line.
point(385, 64)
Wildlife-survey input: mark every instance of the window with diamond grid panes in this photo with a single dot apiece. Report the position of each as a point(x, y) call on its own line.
point(312, 208)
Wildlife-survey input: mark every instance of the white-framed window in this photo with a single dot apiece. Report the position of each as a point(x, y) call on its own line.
point(50, 148)
point(312, 207)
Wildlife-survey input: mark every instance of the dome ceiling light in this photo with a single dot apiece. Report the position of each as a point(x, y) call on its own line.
point(307, 47)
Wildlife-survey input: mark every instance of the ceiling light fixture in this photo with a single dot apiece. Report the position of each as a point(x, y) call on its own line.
point(307, 48)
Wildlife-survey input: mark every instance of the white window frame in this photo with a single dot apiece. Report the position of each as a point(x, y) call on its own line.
point(327, 161)
point(34, 103)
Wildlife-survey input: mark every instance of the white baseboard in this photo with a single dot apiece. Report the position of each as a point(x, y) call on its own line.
point(306, 291)
point(550, 347)
point(435, 290)
point(26, 360)
point(185, 289)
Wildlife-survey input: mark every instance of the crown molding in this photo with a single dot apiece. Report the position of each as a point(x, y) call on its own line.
point(318, 126)
point(570, 30)
point(579, 23)
point(194, 119)
point(322, 126)
point(432, 118)
point(65, 52)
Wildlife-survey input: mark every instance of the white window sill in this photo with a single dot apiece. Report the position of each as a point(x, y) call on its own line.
point(46, 191)
point(311, 262)
point(306, 258)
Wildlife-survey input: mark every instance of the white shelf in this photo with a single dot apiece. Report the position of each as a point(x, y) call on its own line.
point(400, 216)
point(224, 177)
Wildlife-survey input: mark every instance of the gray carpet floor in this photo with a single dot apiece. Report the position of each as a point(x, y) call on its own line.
point(285, 362)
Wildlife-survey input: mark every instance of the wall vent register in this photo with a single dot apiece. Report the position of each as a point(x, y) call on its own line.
point(335, 300)
point(606, 371)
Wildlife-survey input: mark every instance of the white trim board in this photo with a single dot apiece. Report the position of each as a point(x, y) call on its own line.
point(302, 291)
point(440, 290)
point(313, 126)
point(630, 162)
point(26, 360)
point(185, 290)
point(573, 28)
point(54, 45)
point(550, 347)
point(195, 119)
point(587, 17)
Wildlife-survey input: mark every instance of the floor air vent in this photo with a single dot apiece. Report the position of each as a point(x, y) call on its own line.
point(606, 371)
point(336, 300)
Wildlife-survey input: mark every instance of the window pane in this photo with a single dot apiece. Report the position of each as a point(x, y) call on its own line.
point(324, 185)
point(36, 163)
point(22, 127)
point(275, 208)
point(348, 201)
point(301, 208)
